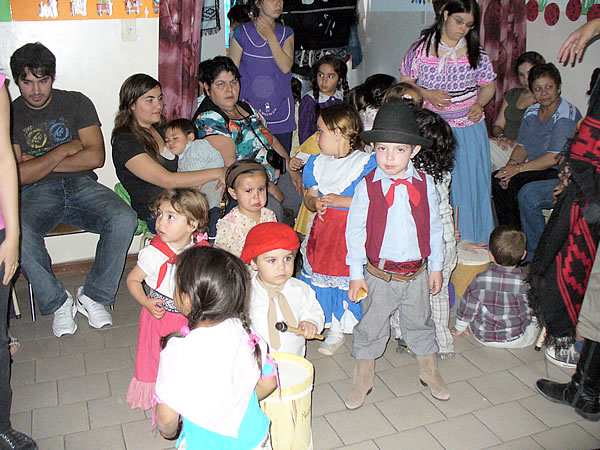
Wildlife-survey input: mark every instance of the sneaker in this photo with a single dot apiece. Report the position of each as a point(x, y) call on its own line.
point(446, 355)
point(563, 357)
point(331, 344)
point(97, 315)
point(13, 439)
point(63, 318)
point(402, 347)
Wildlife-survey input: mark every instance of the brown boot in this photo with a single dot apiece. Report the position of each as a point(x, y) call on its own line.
point(429, 375)
point(364, 374)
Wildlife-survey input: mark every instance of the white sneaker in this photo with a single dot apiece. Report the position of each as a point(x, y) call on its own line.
point(97, 315)
point(63, 318)
point(332, 343)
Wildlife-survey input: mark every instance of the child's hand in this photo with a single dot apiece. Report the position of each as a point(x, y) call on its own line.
point(355, 286)
point(457, 235)
point(455, 332)
point(156, 307)
point(310, 329)
point(435, 281)
point(296, 163)
point(474, 246)
point(321, 207)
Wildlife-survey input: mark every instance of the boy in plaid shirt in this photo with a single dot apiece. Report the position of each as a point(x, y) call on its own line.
point(494, 306)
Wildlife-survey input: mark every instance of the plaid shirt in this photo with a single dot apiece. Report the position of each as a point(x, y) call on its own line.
point(495, 304)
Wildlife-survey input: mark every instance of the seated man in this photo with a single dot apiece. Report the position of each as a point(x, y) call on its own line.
point(57, 142)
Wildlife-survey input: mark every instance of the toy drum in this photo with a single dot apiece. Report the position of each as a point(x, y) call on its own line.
point(291, 412)
point(469, 265)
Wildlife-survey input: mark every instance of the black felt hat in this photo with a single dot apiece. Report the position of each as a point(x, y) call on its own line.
point(395, 122)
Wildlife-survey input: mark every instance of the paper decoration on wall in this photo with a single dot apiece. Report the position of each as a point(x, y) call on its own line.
point(82, 9)
point(574, 10)
point(5, 11)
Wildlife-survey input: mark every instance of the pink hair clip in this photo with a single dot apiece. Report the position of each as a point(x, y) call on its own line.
point(199, 237)
point(253, 341)
point(185, 330)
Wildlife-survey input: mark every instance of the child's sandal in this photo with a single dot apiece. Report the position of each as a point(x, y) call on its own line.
point(13, 345)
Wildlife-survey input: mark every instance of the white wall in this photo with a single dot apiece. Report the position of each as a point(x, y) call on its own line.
point(92, 58)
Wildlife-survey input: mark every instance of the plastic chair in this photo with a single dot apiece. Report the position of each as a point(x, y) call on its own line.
point(142, 227)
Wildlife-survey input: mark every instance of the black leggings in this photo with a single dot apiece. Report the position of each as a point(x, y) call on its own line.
point(5, 390)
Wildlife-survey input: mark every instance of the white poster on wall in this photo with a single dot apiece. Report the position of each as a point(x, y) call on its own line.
point(398, 5)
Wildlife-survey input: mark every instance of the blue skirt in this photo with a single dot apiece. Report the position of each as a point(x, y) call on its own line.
point(471, 187)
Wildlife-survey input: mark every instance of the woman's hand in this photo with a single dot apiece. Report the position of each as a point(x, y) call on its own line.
point(575, 44)
point(296, 179)
point(437, 97)
point(475, 112)
point(506, 173)
point(9, 255)
point(264, 28)
point(276, 192)
point(505, 143)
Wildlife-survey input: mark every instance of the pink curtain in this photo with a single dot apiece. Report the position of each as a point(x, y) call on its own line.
point(503, 35)
point(179, 46)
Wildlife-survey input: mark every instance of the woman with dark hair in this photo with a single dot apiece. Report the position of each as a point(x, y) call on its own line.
point(456, 78)
point(506, 127)
point(238, 131)
point(264, 51)
point(544, 131)
point(142, 165)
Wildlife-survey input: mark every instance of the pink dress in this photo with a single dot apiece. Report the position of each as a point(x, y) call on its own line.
point(156, 256)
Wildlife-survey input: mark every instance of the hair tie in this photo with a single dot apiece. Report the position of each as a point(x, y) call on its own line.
point(199, 237)
point(185, 330)
point(253, 341)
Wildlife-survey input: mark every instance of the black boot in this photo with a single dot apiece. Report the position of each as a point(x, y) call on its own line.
point(583, 392)
point(13, 439)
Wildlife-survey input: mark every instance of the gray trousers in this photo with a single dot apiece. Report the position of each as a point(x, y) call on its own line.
point(589, 316)
point(411, 298)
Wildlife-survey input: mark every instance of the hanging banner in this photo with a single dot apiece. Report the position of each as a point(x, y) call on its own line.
point(553, 11)
point(5, 11)
point(25, 10)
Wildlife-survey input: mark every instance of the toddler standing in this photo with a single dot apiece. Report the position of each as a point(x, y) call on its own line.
point(394, 227)
point(270, 250)
point(180, 214)
point(330, 179)
point(213, 377)
point(246, 182)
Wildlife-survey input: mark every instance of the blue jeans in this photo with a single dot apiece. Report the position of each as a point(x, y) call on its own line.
point(84, 203)
point(533, 197)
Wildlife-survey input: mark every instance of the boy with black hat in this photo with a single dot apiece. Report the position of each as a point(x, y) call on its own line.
point(394, 228)
point(270, 250)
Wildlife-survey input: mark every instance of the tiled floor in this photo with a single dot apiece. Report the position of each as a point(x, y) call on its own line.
point(69, 393)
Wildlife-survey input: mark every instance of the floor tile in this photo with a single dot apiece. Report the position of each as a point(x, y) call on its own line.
point(60, 420)
point(410, 411)
point(463, 399)
point(38, 349)
point(66, 366)
point(106, 360)
point(125, 336)
point(527, 354)
point(464, 432)
point(500, 387)
point(591, 427)
point(311, 350)
point(326, 370)
point(80, 389)
point(80, 342)
point(139, 436)
point(325, 400)
point(51, 443)
point(510, 421)
point(366, 422)
point(490, 359)
point(324, 437)
point(120, 412)
point(402, 380)
point(119, 380)
point(462, 344)
point(552, 414)
point(457, 369)
point(22, 373)
point(32, 396)
point(23, 328)
point(397, 359)
point(366, 445)
point(379, 392)
point(567, 436)
point(417, 438)
point(530, 373)
point(21, 422)
point(347, 363)
point(99, 439)
point(525, 443)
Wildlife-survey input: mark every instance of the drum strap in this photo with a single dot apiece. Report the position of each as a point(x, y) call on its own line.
point(275, 294)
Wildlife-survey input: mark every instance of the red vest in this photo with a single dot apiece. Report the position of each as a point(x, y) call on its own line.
point(377, 216)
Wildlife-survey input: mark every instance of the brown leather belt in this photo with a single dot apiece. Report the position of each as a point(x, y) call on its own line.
point(390, 276)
